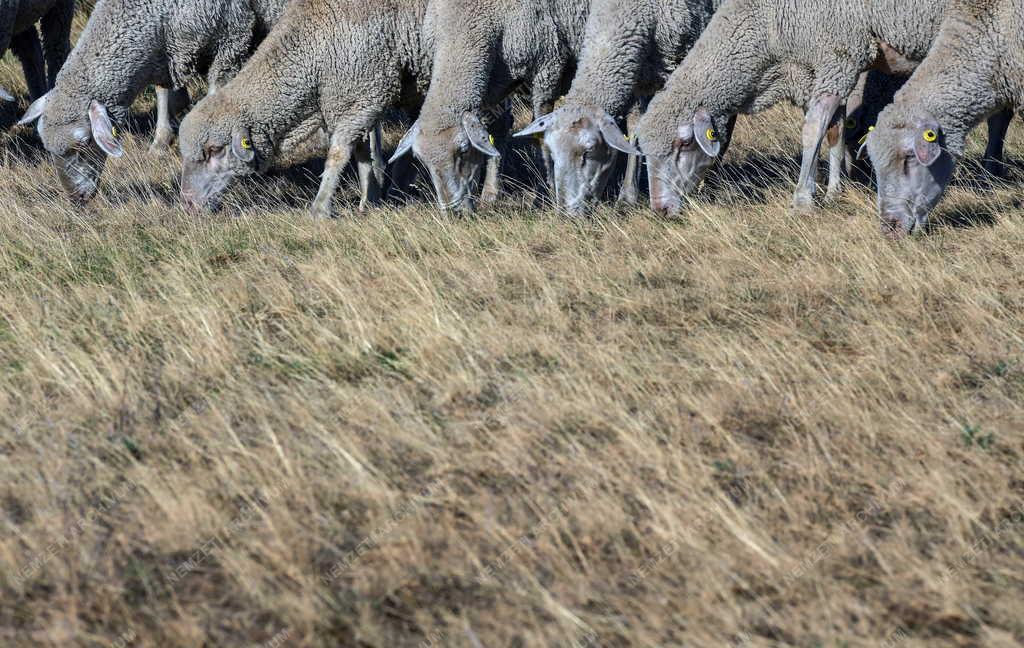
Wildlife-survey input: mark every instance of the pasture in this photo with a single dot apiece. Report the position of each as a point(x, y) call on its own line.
point(739, 427)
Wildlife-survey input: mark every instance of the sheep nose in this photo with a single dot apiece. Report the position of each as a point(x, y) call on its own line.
point(663, 207)
point(891, 226)
point(190, 201)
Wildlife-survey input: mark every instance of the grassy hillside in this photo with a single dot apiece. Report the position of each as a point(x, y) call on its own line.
point(742, 427)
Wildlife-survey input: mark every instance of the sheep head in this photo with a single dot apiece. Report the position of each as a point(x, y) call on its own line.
point(678, 160)
point(913, 169)
point(454, 156)
point(78, 138)
point(584, 143)
point(217, 148)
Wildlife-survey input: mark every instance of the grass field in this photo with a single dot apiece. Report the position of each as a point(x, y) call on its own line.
point(742, 427)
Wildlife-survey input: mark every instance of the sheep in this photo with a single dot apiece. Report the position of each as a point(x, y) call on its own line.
point(484, 51)
point(630, 49)
point(344, 63)
point(756, 53)
point(18, 32)
point(974, 70)
point(126, 46)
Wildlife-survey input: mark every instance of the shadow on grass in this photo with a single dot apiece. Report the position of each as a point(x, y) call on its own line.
point(752, 178)
point(964, 217)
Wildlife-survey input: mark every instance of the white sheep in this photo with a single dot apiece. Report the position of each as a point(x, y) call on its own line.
point(126, 46)
point(484, 51)
point(756, 53)
point(339, 63)
point(630, 49)
point(974, 70)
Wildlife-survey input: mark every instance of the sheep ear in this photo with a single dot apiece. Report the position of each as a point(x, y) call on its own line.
point(706, 134)
point(405, 145)
point(538, 127)
point(6, 96)
point(103, 130)
point(241, 145)
point(478, 135)
point(927, 142)
point(614, 138)
point(35, 111)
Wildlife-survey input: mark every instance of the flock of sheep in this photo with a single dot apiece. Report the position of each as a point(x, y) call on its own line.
point(901, 82)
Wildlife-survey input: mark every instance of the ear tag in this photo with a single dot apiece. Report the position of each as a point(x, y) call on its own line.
point(115, 132)
point(246, 143)
point(865, 138)
point(490, 138)
point(711, 135)
point(929, 136)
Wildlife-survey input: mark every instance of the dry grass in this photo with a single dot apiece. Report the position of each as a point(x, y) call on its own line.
point(743, 427)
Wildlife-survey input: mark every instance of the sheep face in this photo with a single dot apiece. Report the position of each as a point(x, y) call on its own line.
point(79, 145)
point(913, 170)
point(454, 157)
point(214, 153)
point(584, 144)
point(676, 168)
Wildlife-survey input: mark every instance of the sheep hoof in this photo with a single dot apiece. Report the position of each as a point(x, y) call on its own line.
point(833, 197)
point(803, 202)
point(162, 141)
point(320, 212)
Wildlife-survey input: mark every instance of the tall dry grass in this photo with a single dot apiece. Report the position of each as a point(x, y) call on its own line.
point(741, 427)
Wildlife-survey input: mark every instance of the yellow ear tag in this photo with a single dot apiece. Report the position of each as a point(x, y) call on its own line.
point(930, 136)
point(246, 143)
point(491, 139)
point(114, 132)
point(865, 138)
point(711, 135)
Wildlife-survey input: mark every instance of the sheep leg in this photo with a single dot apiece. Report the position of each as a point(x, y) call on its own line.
point(366, 166)
point(629, 194)
point(998, 125)
point(56, 26)
point(337, 158)
point(836, 155)
point(29, 51)
point(492, 178)
point(164, 130)
point(380, 163)
point(818, 119)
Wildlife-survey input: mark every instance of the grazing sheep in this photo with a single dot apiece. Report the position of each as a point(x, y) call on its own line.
point(344, 63)
point(128, 45)
point(974, 70)
point(756, 53)
point(629, 51)
point(484, 51)
point(40, 61)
